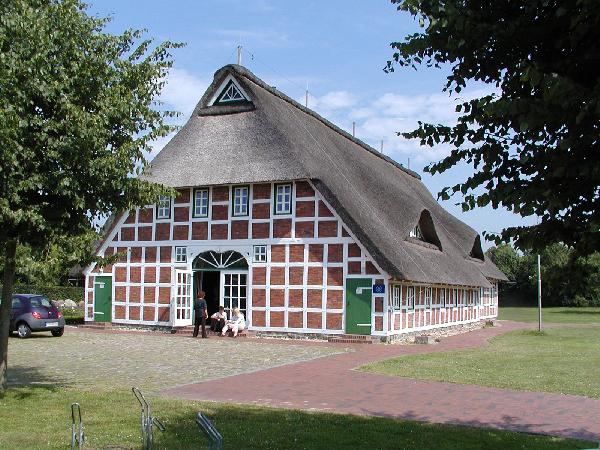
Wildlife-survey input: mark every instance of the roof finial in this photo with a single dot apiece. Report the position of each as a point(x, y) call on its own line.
point(382, 146)
point(239, 55)
point(353, 129)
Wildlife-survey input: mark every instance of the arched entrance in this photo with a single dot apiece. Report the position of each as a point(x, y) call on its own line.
point(223, 276)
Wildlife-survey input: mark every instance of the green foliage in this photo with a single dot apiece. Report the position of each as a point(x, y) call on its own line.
point(77, 114)
point(533, 141)
point(52, 292)
point(567, 279)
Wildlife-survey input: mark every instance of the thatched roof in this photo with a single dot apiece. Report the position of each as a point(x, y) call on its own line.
point(277, 139)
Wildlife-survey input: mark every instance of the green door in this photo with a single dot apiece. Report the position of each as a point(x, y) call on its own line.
point(358, 305)
point(102, 299)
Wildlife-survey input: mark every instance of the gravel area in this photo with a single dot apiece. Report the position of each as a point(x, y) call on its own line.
point(152, 361)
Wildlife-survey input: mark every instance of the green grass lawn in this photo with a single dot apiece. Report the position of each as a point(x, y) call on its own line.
point(564, 360)
point(550, 315)
point(39, 417)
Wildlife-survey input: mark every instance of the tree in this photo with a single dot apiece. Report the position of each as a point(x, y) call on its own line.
point(78, 112)
point(533, 141)
point(567, 279)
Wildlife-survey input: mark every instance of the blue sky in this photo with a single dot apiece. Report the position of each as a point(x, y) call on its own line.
point(338, 48)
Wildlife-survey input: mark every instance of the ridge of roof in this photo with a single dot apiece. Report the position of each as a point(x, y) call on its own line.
point(244, 72)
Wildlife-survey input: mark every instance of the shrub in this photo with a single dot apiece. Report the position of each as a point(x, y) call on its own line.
point(52, 292)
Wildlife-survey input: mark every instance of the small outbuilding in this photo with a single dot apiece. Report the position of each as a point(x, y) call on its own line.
point(299, 224)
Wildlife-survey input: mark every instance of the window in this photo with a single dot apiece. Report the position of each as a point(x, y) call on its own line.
point(476, 297)
point(260, 253)
point(201, 203)
point(37, 302)
point(442, 297)
point(464, 297)
point(231, 94)
point(416, 233)
point(410, 297)
point(397, 297)
point(283, 199)
point(454, 301)
point(163, 207)
point(180, 254)
point(240, 201)
point(428, 296)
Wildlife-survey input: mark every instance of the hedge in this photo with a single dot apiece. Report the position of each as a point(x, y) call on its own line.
point(52, 292)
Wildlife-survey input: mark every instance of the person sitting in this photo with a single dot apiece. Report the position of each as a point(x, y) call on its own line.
point(235, 324)
point(217, 320)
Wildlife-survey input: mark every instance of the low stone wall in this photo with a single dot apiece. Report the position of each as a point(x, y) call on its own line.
point(436, 333)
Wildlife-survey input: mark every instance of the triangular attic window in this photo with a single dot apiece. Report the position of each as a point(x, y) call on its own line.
point(230, 94)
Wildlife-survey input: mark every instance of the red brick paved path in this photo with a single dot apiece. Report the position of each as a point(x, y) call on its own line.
point(330, 384)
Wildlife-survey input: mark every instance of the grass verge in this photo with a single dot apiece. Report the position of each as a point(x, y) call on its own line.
point(39, 417)
point(563, 360)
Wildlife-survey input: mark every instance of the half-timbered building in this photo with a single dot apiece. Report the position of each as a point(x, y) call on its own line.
point(302, 226)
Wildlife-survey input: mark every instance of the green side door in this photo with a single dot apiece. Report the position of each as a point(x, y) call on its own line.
point(102, 299)
point(358, 305)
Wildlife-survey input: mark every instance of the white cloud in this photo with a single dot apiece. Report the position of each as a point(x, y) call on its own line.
point(183, 90)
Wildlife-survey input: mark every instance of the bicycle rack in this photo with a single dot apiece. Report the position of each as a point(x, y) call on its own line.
point(146, 420)
point(215, 440)
point(77, 434)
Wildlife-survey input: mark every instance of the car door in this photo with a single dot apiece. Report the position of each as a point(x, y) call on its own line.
point(15, 311)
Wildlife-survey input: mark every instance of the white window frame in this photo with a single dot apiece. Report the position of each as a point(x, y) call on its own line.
point(239, 209)
point(428, 297)
point(199, 208)
point(442, 297)
point(410, 297)
point(180, 254)
point(259, 254)
point(416, 233)
point(397, 297)
point(163, 207)
point(283, 200)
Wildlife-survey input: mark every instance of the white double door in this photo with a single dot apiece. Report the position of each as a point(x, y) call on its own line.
point(233, 294)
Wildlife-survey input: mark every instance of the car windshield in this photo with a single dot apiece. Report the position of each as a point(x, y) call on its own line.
point(40, 301)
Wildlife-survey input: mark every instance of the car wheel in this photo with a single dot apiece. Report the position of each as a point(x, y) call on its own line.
point(58, 333)
point(23, 330)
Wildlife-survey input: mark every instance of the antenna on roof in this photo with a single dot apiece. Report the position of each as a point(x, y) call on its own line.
point(353, 129)
point(239, 55)
point(306, 95)
point(382, 146)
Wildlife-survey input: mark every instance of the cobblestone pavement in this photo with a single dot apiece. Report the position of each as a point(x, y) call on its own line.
point(330, 384)
point(103, 360)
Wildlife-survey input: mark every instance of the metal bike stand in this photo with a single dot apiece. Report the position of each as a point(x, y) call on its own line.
point(146, 420)
point(77, 434)
point(215, 440)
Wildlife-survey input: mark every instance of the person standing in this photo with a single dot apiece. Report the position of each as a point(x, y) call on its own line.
point(200, 314)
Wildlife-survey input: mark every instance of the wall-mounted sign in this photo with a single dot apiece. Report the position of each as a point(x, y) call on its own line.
point(379, 289)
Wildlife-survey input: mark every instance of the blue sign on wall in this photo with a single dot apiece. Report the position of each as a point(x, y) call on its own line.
point(379, 289)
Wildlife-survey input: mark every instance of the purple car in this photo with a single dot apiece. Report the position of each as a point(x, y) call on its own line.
point(33, 313)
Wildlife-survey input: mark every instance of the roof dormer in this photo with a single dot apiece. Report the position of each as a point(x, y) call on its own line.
point(424, 232)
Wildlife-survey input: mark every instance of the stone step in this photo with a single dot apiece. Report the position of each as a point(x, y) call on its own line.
point(189, 331)
point(350, 339)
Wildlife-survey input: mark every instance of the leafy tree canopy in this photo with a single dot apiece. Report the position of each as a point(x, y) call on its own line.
point(78, 111)
point(567, 279)
point(533, 142)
